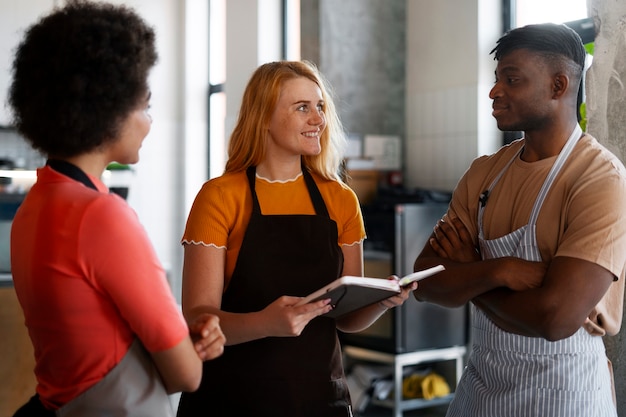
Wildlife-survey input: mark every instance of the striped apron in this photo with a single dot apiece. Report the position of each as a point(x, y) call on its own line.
point(509, 375)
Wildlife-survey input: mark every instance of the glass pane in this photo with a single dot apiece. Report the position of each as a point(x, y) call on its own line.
point(554, 11)
point(217, 139)
point(217, 76)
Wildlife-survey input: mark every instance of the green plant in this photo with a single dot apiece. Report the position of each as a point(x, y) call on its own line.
point(115, 166)
point(582, 110)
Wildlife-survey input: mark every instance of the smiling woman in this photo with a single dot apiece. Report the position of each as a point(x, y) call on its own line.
point(276, 226)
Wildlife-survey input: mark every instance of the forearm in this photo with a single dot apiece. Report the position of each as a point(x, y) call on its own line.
point(460, 282)
point(512, 311)
point(360, 319)
point(237, 327)
point(180, 367)
point(556, 309)
point(527, 313)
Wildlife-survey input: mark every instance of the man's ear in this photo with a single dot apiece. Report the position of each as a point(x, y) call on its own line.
point(560, 83)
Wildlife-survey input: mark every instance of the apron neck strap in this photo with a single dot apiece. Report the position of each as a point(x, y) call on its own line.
point(314, 192)
point(72, 171)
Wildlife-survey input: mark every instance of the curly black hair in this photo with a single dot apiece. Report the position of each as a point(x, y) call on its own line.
point(77, 74)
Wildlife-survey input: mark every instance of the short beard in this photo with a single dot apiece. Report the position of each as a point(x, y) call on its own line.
point(526, 125)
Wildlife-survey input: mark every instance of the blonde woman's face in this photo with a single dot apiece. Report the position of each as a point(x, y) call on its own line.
point(298, 120)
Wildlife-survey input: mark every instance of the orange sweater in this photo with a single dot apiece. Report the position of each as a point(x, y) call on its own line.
point(221, 211)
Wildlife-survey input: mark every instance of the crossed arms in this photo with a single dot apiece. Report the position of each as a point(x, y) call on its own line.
point(536, 299)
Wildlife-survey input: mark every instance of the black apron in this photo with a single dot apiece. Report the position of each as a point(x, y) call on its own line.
point(279, 376)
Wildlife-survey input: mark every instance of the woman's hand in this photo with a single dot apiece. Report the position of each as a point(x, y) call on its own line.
point(284, 319)
point(207, 336)
point(399, 299)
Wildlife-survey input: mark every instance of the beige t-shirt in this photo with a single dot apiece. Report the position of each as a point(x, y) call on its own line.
point(582, 216)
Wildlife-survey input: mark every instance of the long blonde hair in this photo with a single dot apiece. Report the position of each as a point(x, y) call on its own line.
point(247, 145)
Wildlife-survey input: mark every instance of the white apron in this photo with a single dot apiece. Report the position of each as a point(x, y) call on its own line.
point(133, 388)
point(509, 375)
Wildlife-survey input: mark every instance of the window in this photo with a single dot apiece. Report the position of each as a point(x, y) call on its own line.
point(217, 78)
point(544, 11)
point(289, 12)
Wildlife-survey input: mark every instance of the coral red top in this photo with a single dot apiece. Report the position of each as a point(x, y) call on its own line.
point(89, 282)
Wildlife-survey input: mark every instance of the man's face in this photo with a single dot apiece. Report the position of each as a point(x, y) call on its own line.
point(523, 91)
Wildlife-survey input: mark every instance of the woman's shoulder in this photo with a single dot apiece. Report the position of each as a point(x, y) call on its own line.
point(336, 190)
point(228, 183)
point(334, 185)
point(228, 190)
point(113, 205)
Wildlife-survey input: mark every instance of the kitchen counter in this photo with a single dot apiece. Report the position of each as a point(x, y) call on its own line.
point(18, 360)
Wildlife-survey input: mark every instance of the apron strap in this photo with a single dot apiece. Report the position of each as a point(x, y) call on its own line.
point(554, 171)
point(72, 171)
point(251, 173)
point(547, 184)
point(314, 192)
point(484, 196)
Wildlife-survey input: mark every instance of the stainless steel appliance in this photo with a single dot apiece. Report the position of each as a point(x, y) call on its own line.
point(9, 202)
point(397, 233)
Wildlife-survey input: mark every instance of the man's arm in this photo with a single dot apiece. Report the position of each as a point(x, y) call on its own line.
point(466, 276)
point(555, 310)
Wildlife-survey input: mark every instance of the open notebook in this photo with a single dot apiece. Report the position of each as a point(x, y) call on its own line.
point(350, 293)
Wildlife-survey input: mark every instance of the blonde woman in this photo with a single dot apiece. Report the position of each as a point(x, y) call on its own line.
point(277, 225)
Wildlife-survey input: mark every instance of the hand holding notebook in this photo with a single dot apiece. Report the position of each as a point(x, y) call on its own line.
point(350, 293)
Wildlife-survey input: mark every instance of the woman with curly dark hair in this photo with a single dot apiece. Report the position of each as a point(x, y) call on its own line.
point(108, 336)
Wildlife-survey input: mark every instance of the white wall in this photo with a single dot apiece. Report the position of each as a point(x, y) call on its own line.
point(252, 38)
point(449, 74)
point(15, 16)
